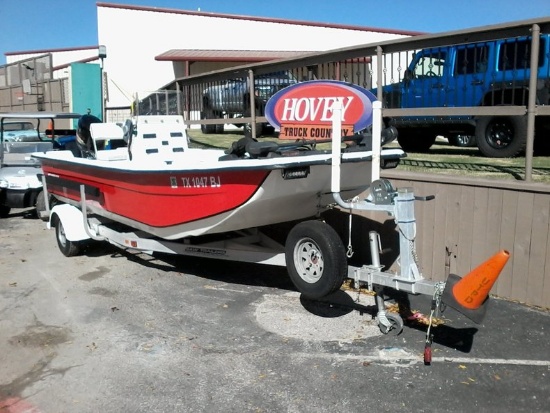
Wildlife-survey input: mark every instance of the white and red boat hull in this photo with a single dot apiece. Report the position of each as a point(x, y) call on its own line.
point(199, 194)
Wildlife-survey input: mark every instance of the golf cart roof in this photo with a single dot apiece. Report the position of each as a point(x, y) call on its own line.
point(39, 115)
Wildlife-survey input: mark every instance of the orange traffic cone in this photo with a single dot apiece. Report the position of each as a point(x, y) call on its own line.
point(469, 294)
point(472, 290)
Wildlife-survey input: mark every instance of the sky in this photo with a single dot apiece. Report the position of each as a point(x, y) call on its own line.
point(27, 25)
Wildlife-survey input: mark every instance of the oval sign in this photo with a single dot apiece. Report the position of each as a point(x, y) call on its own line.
point(304, 110)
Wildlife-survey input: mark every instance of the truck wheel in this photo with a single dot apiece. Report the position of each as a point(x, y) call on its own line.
point(315, 258)
point(247, 130)
point(4, 211)
point(67, 248)
point(462, 141)
point(415, 140)
point(207, 129)
point(501, 136)
point(267, 129)
point(247, 127)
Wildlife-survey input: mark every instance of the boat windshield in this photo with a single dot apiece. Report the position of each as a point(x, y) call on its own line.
point(19, 153)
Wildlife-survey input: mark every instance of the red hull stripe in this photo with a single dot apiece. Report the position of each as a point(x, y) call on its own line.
point(156, 198)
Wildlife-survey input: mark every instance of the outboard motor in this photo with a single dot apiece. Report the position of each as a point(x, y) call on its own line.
point(84, 138)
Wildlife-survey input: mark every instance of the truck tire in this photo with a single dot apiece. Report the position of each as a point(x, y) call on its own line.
point(219, 128)
point(207, 129)
point(247, 127)
point(501, 136)
point(247, 130)
point(415, 139)
point(462, 141)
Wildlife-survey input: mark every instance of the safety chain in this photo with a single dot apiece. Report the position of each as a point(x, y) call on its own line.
point(436, 302)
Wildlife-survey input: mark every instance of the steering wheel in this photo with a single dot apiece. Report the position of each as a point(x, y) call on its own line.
point(430, 73)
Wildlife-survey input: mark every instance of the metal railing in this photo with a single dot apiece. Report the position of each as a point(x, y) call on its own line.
point(376, 65)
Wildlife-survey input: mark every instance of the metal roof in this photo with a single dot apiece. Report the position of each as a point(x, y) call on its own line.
point(207, 55)
point(259, 19)
point(40, 115)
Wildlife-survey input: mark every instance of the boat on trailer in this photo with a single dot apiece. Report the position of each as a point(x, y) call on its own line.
point(149, 178)
point(147, 190)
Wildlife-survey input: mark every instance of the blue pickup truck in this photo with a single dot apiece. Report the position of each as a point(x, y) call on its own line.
point(491, 73)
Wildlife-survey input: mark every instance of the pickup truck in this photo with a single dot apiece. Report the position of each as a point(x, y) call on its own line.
point(491, 73)
point(231, 99)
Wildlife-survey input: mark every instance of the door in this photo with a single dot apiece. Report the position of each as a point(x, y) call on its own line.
point(426, 84)
point(470, 80)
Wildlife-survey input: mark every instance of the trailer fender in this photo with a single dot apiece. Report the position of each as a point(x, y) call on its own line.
point(72, 220)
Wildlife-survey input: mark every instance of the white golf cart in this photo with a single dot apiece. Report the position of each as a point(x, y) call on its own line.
point(20, 174)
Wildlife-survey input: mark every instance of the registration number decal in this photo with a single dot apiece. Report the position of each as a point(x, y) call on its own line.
point(209, 181)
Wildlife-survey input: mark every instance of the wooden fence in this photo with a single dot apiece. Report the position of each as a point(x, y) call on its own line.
point(471, 219)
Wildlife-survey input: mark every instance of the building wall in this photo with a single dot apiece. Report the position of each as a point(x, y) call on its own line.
point(130, 62)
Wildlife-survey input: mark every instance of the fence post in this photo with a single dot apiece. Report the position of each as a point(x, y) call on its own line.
point(532, 100)
point(252, 102)
point(379, 73)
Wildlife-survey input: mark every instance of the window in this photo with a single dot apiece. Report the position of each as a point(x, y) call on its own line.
point(471, 60)
point(429, 65)
point(516, 54)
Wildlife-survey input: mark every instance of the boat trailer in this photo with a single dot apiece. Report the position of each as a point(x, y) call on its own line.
point(313, 253)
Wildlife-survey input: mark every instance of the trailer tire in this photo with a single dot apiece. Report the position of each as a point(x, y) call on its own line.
point(68, 248)
point(315, 258)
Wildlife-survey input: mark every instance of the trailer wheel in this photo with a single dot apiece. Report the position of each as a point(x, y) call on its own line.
point(67, 248)
point(395, 327)
point(316, 259)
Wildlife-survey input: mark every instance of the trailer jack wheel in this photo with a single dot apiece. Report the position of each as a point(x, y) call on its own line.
point(390, 323)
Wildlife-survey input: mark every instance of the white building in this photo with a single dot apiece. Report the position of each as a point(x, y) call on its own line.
point(148, 47)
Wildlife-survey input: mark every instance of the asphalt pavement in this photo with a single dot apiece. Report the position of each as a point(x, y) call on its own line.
point(119, 331)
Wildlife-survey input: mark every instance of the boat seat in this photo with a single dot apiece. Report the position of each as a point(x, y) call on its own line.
point(108, 142)
point(158, 141)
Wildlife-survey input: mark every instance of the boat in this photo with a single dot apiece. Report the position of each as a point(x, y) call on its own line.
point(146, 175)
